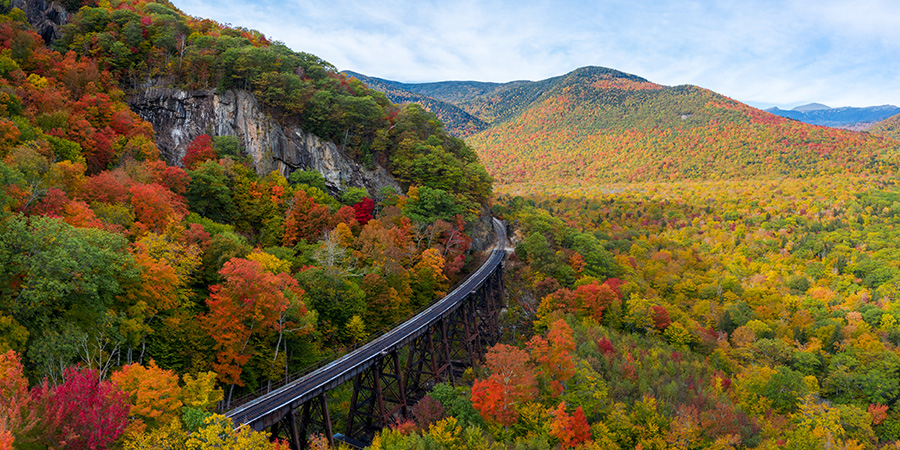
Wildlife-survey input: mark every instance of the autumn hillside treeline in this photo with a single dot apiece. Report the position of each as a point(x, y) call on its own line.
point(135, 296)
point(599, 125)
point(609, 129)
point(889, 128)
point(140, 43)
point(689, 273)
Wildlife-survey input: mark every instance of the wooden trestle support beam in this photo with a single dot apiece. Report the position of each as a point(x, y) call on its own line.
point(314, 417)
point(379, 396)
point(386, 390)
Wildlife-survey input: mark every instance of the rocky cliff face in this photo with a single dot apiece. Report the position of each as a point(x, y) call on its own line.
point(481, 231)
point(180, 116)
point(46, 17)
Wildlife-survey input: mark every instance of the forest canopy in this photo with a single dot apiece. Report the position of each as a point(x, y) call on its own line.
point(137, 297)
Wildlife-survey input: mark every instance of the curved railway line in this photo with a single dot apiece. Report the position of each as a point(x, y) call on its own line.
point(277, 407)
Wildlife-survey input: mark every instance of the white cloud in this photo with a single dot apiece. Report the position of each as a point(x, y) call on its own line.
point(834, 52)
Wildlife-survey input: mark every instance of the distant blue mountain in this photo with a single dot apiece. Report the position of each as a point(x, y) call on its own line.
point(844, 117)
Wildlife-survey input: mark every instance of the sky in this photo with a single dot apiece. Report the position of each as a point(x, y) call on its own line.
point(762, 52)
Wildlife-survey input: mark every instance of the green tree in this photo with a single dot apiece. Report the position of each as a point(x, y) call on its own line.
point(9, 179)
point(209, 193)
point(55, 273)
point(598, 262)
point(427, 205)
point(336, 299)
point(309, 177)
point(538, 253)
point(222, 247)
point(353, 195)
point(228, 146)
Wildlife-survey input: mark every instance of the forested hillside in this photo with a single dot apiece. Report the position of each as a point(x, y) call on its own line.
point(601, 125)
point(134, 295)
point(689, 273)
point(889, 128)
point(491, 103)
point(611, 129)
point(144, 42)
point(457, 122)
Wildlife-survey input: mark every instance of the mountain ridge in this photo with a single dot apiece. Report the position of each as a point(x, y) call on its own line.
point(847, 117)
point(810, 107)
point(489, 103)
point(605, 125)
point(889, 128)
point(456, 120)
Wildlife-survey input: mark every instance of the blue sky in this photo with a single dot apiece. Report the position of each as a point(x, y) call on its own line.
point(762, 52)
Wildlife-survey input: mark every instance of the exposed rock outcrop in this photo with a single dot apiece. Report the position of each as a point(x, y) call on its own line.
point(481, 230)
point(46, 17)
point(180, 116)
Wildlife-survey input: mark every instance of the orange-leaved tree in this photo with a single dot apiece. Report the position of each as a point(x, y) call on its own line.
point(590, 300)
point(305, 219)
point(17, 412)
point(249, 302)
point(153, 392)
point(154, 205)
point(512, 382)
point(572, 430)
point(554, 354)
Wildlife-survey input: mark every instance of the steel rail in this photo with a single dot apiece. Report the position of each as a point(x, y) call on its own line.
point(270, 408)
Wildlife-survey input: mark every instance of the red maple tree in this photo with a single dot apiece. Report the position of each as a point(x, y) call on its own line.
point(250, 301)
point(198, 151)
point(83, 412)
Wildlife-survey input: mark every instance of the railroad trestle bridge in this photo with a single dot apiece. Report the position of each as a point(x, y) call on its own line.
point(394, 371)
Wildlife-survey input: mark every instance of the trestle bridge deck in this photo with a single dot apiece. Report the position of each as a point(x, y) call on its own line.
point(437, 344)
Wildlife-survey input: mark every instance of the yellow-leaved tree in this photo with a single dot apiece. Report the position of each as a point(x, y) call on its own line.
point(218, 432)
point(429, 281)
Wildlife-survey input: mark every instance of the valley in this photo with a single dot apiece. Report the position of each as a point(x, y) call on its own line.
point(754, 243)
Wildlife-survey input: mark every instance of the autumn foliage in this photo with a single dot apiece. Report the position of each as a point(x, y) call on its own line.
point(154, 394)
point(511, 383)
point(155, 205)
point(600, 126)
point(364, 210)
point(16, 404)
point(83, 412)
point(198, 151)
point(305, 219)
point(589, 300)
point(572, 430)
point(133, 291)
point(249, 302)
point(554, 354)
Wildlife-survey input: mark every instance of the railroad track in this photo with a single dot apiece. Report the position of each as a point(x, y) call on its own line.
point(268, 409)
